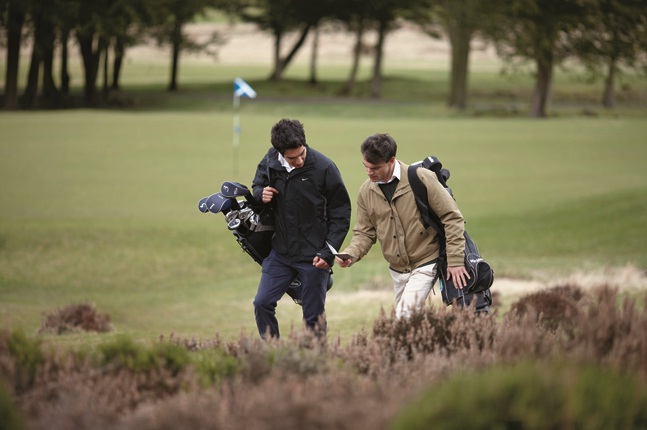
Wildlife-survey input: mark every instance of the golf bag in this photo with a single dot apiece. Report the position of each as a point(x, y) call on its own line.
point(480, 272)
point(250, 225)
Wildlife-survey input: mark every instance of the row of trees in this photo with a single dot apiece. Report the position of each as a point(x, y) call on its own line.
point(605, 35)
point(100, 28)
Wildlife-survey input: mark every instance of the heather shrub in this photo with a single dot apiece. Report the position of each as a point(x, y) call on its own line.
point(75, 318)
point(433, 330)
point(531, 395)
point(475, 370)
point(552, 308)
point(613, 330)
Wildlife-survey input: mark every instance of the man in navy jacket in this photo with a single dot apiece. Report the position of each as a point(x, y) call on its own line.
point(311, 209)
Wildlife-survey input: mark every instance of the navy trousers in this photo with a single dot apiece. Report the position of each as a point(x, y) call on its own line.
point(278, 272)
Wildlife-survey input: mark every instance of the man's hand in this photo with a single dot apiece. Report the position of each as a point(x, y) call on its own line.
point(346, 262)
point(320, 263)
point(268, 194)
point(459, 275)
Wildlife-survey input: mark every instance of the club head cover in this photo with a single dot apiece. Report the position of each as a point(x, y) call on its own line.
point(445, 173)
point(218, 203)
point(234, 189)
point(432, 163)
point(202, 205)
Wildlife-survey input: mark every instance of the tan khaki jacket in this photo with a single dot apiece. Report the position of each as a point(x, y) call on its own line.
point(405, 243)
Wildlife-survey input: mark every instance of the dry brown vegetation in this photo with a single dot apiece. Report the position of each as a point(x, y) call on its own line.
point(302, 382)
point(75, 318)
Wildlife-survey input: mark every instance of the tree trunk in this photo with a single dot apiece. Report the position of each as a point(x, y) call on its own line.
point(609, 96)
point(542, 87)
point(65, 74)
point(50, 92)
point(459, 39)
point(376, 82)
point(15, 21)
point(313, 56)
point(357, 55)
point(104, 87)
point(91, 45)
point(116, 69)
point(282, 64)
point(90, 57)
point(30, 96)
point(278, 37)
point(175, 55)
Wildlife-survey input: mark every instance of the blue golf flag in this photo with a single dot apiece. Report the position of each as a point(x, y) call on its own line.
point(242, 89)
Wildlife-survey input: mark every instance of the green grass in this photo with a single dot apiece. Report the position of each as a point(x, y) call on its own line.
point(101, 205)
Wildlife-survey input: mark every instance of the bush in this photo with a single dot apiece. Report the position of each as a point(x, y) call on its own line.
point(432, 330)
point(531, 395)
point(553, 308)
point(75, 318)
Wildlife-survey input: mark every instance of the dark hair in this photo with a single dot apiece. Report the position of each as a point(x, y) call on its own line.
point(287, 134)
point(379, 148)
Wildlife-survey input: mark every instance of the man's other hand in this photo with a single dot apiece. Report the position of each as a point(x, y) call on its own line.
point(459, 275)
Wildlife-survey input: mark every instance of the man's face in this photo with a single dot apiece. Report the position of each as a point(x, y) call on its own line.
point(381, 172)
point(295, 156)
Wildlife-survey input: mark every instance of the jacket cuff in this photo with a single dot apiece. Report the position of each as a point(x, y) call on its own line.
point(455, 261)
point(327, 256)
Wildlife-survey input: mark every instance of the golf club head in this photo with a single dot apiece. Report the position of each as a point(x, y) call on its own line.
point(234, 224)
point(234, 189)
point(202, 205)
point(231, 215)
point(218, 203)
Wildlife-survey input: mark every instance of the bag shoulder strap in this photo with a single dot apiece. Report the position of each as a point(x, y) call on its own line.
point(429, 218)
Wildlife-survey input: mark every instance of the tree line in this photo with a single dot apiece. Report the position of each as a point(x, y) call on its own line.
point(605, 36)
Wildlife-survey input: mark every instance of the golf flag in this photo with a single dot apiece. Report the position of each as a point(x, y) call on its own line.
point(242, 89)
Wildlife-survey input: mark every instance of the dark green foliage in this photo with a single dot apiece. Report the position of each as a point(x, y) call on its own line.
point(123, 352)
point(531, 396)
point(215, 366)
point(27, 357)
point(10, 418)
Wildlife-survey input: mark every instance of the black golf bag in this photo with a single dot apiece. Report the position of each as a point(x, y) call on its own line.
point(481, 273)
point(252, 230)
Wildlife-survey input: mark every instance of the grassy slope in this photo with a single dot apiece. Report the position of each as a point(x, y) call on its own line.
point(101, 205)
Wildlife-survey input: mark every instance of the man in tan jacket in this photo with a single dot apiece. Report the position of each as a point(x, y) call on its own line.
point(387, 212)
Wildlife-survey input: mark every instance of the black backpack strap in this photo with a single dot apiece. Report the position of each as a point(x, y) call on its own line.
point(429, 218)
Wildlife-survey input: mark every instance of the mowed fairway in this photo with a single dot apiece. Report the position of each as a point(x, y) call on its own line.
point(101, 207)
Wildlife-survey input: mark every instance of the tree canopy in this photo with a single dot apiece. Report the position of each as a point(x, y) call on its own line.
point(604, 35)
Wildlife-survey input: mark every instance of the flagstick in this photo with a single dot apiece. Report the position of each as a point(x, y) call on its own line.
point(241, 88)
point(236, 132)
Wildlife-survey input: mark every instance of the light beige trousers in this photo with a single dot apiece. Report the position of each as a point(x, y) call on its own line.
point(412, 289)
